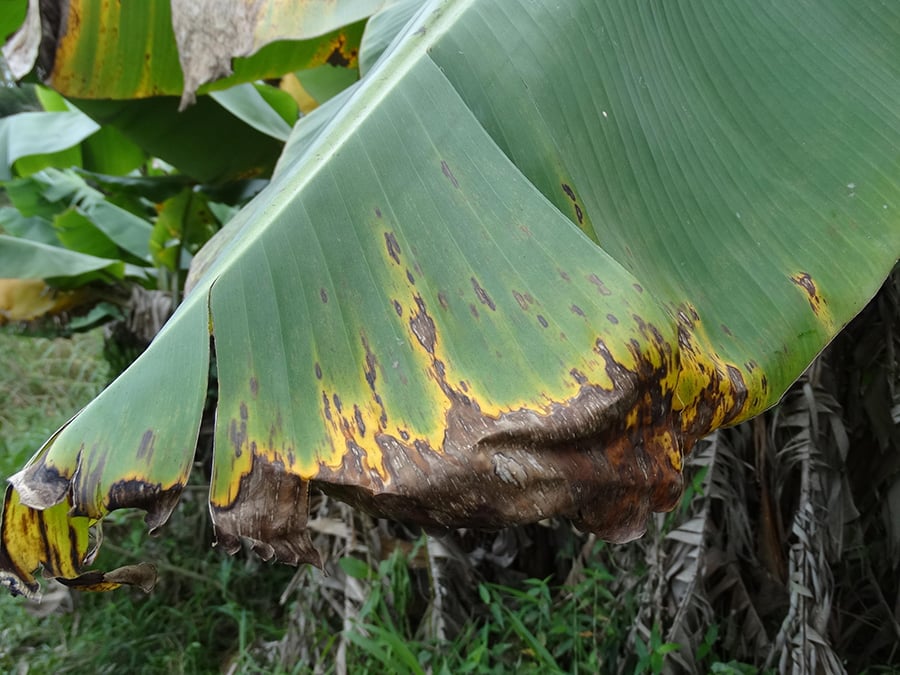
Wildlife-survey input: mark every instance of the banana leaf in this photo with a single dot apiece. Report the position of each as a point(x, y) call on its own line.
point(514, 273)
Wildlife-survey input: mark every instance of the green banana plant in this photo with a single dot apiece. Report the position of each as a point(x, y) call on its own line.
point(515, 272)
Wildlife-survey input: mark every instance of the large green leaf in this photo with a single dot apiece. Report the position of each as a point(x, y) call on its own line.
point(34, 133)
point(515, 273)
point(25, 259)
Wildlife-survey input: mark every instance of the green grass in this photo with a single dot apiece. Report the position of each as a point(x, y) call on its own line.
point(208, 609)
point(42, 383)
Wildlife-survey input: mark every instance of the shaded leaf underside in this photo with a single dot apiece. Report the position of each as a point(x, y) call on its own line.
point(531, 259)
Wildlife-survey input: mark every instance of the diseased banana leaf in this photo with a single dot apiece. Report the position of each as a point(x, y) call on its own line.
point(514, 273)
point(101, 50)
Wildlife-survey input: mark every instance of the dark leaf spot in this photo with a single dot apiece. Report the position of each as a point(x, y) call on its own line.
point(578, 376)
point(482, 295)
point(398, 308)
point(422, 327)
point(326, 406)
point(337, 402)
point(577, 310)
point(393, 248)
point(564, 275)
point(410, 277)
point(371, 362)
point(601, 287)
point(449, 174)
point(244, 412)
point(638, 288)
point(568, 190)
point(612, 318)
point(377, 212)
point(442, 300)
point(254, 387)
point(324, 295)
point(474, 310)
point(805, 281)
point(542, 321)
point(579, 214)
point(520, 299)
point(145, 449)
point(318, 371)
point(727, 331)
point(357, 415)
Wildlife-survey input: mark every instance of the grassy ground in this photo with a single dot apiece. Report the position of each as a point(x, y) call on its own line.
point(42, 383)
point(193, 623)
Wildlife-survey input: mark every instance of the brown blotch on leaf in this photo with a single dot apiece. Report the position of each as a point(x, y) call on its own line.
point(270, 512)
point(473, 310)
point(149, 497)
point(326, 407)
point(337, 57)
point(393, 248)
point(145, 449)
point(815, 299)
point(360, 424)
point(371, 363)
point(579, 457)
point(578, 376)
point(482, 295)
point(520, 300)
point(422, 326)
point(601, 287)
point(237, 431)
point(143, 576)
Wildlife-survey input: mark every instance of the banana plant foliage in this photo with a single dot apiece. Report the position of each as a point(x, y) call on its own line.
point(515, 272)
